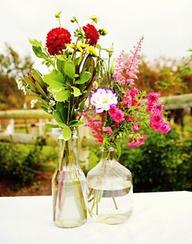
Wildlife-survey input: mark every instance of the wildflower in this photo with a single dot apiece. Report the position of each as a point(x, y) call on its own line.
point(135, 128)
point(57, 39)
point(91, 34)
point(152, 97)
point(116, 114)
point(102, 99)
point(156, 119)
point(108, 130)
point(126, 68)
point(129, 98)
point(164, 128)
point(96, 128)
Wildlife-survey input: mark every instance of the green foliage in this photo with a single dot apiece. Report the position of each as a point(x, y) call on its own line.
point(18, 165)
point(164, 163)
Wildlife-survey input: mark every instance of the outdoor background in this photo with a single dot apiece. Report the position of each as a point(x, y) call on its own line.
point(29, 155)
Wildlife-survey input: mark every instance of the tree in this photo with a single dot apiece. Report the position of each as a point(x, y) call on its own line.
point(12, 66)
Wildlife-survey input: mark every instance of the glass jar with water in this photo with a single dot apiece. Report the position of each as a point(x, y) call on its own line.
point(110, 190)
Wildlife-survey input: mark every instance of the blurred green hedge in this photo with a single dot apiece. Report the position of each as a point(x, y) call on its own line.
point(164, 163)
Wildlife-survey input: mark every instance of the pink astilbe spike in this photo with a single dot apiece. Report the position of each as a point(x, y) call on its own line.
point(126, 67)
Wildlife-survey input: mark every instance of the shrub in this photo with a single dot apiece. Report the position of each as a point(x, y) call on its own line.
point(164, 163)
point(18, 167)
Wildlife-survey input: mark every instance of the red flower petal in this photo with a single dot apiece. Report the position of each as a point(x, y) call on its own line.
point(56, 40)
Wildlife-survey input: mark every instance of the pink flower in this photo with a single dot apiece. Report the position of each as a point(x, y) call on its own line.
point(156, 119)
point(96, 128)
point(129, 118)
point(135, 128)
point(127, 100)
point(133, 91)
point(137, 142)
point(164, 127)
point(129, 97)
point(152, 97)
point(126, 67)
point(108, 130)
point(116, 114)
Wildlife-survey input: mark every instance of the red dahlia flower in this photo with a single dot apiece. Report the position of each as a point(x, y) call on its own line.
point(56, 40)
point(91, 34)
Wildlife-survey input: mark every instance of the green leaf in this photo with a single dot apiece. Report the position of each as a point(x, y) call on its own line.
point(62, 95)
point(84, 77)
point(61, 57)
point(54, 76)
point(62, 110)
point(59, 64)
point(69, 69)
point(52, 126)
point(66, 132)
point(35, 42)
point(75, 123)
point(76, 91)
point(38, 77)
point(57, 117)
point(38, 52)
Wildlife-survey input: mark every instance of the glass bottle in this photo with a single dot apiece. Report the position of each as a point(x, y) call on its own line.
point(69, 186)
point(110, 190)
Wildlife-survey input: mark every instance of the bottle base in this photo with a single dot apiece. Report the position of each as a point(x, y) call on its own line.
point(69, 224)
point(113, 219)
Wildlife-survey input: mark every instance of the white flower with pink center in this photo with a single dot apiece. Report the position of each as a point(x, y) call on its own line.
point(102, 99)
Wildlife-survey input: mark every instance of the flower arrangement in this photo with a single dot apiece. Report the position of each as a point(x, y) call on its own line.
point(120, 109)
point(78, 71)
point(73, 62)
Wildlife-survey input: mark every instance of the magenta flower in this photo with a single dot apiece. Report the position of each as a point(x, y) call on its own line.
point(164, 127)
point(126, 67)
point(127, 100)
point(152, 97)
point(134, 91)
point(116, 114)
point(156, 119)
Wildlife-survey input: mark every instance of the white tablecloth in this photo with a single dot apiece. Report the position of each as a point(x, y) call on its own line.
point(158, 218)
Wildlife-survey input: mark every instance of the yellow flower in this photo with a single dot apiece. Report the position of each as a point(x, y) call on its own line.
point(80, 46)
point(91, 50)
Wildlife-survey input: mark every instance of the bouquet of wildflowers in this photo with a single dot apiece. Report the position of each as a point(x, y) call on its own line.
point(119, 109)
point(73, 66)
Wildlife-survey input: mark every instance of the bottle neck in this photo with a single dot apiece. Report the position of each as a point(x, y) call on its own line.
point(108, 153)
point(68, 151)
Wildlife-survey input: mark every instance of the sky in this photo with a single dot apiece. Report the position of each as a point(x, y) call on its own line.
point(165, 24)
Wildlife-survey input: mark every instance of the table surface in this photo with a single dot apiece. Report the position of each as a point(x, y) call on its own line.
point(158, 218)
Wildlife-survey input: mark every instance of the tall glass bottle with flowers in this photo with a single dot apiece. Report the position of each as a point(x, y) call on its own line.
point(62, 91)
point(119, 110)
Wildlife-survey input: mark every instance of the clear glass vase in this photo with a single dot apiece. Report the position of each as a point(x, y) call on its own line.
point(110, 190)
point(69, 186)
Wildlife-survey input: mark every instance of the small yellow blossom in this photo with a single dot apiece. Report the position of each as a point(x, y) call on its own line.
point(94, 18)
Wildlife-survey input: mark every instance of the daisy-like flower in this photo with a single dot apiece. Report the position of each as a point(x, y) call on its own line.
point(102, 99)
